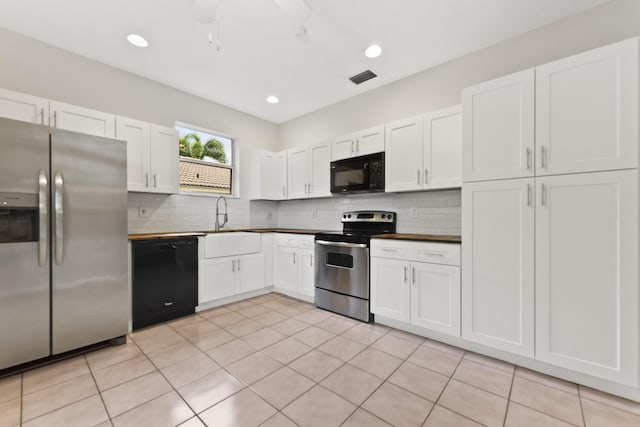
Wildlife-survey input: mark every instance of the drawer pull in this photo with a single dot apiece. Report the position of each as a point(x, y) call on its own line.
point(167, 304)
point(432, 253)
point(395, 251)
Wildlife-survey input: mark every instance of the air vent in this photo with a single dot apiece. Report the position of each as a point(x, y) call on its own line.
point(363, 77)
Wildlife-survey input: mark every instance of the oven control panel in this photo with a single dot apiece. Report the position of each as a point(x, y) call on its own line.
point(369, 216)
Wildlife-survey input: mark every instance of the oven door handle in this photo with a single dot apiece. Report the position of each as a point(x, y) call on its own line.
point(343, 244)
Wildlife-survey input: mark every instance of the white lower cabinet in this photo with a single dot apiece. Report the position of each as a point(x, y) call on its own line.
point(498, 263)
point(293, 263)
point(230, 264)
point(587, 273)
point(404, 288)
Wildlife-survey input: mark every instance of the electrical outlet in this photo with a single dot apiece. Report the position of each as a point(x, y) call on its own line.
point(414, 213)
point(269, 214)
point(314, 214)
point(142, 212)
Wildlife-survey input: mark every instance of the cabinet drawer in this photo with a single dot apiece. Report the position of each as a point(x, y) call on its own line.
point(286, 240)
point(230, 244)
point(394, 249)
point(436, 253)
point(307, 242)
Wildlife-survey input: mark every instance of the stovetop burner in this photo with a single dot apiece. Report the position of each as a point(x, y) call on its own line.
point(359, 226)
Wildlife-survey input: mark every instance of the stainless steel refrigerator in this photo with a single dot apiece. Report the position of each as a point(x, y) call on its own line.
point(63, 241)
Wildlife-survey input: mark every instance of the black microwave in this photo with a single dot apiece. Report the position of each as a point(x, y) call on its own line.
point(363, 174)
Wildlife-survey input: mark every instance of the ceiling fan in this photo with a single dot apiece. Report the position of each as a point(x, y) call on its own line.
point(298, 11)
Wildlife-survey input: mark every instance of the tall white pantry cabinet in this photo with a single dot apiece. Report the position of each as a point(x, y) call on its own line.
point(550, 213)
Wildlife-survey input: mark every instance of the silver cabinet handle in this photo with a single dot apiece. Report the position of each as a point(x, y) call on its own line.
point(43, 203)
point(168, 303)
point(309, 188)
point(311, 261)
point(146, 180)
point(42, 116)
point(543, 195)
point(413, 275)
point(155, 181)
point(426, 176)
point(543, 157)
point(283, 192)
point(405, 274)
point(352, 147)
point(418, 176)
point(357, 145)
point(395, 251)
point(233, 265)
point(528, 159)
point(55, 119)
point(294, 257)
point(528, 194)
point(237, 265)
point(59, 212)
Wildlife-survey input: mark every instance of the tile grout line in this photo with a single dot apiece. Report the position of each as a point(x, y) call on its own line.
point(21, 397)
point(506, 413)
point(104, 405)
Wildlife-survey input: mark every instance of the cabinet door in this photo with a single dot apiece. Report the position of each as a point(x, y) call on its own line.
point(82, 120)
point(587, 273)
point(164, 176)
point(319, 168)
point(138, 136)
point(281, 175)
point(403, 156)
point(343, 147)
point(369, 141)
point(306, 272)
point(297, 173)
point(285, 268)
point(498, 128)
point(23, 107)
point(250, 272)
point(443, 148)
point(390, 292)
point(219, 279)
point(587, 111)
point(497, 264)
point(435, 297)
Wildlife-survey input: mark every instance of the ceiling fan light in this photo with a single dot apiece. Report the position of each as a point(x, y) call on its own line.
point(297, 10)
point(205, 10)
point(373, 51)
point(137, 40)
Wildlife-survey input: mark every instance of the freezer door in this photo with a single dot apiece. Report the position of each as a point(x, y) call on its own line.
point(90, 298)
point(24, 255)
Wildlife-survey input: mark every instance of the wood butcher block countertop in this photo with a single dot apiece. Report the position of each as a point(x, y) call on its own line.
point(147, 236)
point(421, 237)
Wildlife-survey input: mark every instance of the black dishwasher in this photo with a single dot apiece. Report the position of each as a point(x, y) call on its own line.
point(165, 279)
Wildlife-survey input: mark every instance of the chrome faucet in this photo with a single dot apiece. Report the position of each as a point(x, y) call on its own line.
point(224, 215)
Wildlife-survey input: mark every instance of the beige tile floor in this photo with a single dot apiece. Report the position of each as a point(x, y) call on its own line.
point(275, 361)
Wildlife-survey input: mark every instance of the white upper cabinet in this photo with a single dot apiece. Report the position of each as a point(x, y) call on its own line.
point(498, 264)
point(403, 155)
point(319, 169)
point(587, 273)
point(498, 128)
point(308, 171)
point(360, 143)
point(442, 151)
point(269, 177)
point(23, 107)
point(297, 173)
point(137, 134)
point(80, 119)
point(152, 156)
point(165, 172)
point(587, 111)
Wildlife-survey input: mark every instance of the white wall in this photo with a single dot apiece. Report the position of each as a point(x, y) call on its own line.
point(33, 67)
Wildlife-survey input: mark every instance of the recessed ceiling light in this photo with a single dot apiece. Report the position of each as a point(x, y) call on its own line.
point(272, 99)
point(137, 40)
point(373, 51)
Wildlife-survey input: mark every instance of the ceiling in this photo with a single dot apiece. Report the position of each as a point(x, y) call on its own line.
point(259, 54)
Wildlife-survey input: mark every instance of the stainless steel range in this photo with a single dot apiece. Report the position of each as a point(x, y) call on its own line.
point(342, 267)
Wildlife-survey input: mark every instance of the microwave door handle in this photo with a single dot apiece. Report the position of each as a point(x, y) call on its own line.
point(367, 177)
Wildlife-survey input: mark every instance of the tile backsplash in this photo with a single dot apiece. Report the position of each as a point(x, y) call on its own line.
point(433, 212)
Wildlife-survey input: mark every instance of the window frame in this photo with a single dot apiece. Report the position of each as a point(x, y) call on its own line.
point(234, 166)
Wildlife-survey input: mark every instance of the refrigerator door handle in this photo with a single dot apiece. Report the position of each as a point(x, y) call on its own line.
point(59, 212)
point(43, 209)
